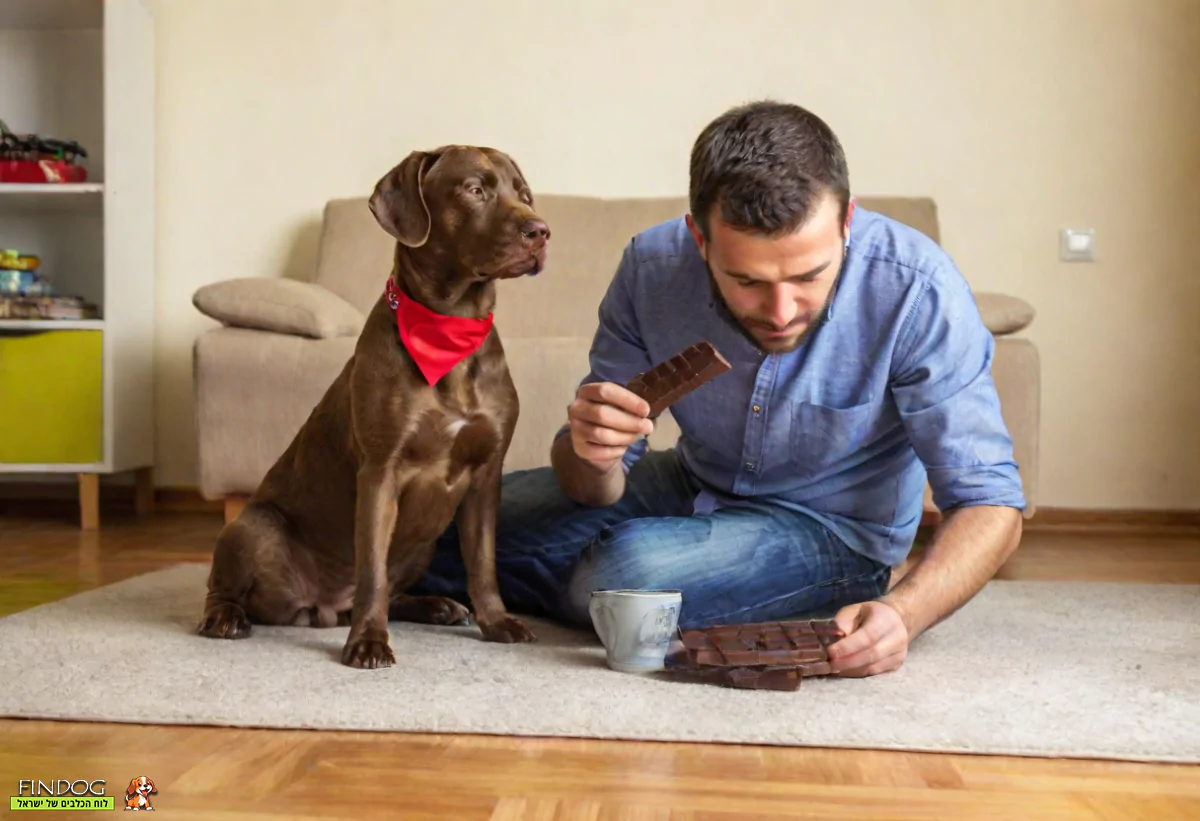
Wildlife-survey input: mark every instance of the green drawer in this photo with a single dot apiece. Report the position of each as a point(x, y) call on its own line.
point(51, 396)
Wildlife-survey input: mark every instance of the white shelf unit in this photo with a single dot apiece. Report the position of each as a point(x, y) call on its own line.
point(84, 70)
point(59, 325)
point(60, 190)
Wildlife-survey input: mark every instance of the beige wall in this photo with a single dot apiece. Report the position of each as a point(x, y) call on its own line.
point(1018, 116)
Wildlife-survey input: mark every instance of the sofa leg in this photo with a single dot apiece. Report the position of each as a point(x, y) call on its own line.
point(233, 507)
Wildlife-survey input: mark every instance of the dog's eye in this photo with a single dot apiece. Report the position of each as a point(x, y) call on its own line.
point(476, 191)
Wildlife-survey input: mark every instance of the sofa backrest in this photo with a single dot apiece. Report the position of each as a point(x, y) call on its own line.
point(354, 256)
point(588, 236)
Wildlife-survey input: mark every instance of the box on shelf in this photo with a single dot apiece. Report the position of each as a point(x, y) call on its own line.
point(32, 158)
point(25, 294)
point(19, 275)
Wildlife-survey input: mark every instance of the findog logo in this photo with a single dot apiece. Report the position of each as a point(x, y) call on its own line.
point(61, 794)
point(137, 794)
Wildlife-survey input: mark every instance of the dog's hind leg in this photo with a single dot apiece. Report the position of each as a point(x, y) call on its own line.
point(419, 609)
point(253, 579)
point(229, 583)
point(427, 610)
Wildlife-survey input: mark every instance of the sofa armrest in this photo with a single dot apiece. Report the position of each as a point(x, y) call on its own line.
point(284, 306)
point(1004, 314)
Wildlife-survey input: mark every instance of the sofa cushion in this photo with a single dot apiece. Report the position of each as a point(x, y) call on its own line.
point(1003, 313)
point(589, 236)
point(285, 306)
point(547, 373)
point(355, 255)
point(916, 212)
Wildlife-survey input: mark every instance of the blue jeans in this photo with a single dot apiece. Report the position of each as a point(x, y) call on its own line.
point(755, 563)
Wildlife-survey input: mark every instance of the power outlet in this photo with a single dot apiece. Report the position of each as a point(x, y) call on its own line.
point(1077, 245)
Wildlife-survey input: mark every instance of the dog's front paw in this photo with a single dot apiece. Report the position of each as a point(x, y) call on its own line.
point(368, 652)
point(224, 621)
point(507, 630)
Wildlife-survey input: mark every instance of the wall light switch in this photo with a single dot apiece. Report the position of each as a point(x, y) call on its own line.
point(1077, 245)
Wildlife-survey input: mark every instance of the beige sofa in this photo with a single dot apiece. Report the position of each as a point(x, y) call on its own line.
point(281, 342)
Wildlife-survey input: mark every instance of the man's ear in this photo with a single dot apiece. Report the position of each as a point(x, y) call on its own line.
point(398, 201)
point(850, 206)
point(697, 235)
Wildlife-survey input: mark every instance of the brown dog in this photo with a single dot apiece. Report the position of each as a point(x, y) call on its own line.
point(350, 512)
point(137, 795)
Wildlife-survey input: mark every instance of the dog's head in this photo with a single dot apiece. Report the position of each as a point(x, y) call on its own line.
point(467, 207)
point(141, 786)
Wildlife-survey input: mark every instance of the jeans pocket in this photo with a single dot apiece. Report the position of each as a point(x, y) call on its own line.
point(822, 437)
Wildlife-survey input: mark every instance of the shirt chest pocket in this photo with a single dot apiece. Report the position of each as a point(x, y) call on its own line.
point(822, 436)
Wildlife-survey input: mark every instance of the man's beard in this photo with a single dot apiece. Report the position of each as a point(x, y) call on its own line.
point(817, 321)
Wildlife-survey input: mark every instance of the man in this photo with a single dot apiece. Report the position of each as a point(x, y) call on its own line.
point(861, 367)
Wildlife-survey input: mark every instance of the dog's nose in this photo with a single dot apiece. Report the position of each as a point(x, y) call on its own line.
point(535, 229)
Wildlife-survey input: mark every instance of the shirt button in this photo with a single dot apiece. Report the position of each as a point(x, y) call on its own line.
point(757, 409)
point(750, 466)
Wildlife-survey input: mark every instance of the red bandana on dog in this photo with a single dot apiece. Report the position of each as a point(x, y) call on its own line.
point(436, 342)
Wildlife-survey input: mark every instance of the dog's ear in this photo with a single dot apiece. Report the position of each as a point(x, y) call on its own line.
point(398, 201)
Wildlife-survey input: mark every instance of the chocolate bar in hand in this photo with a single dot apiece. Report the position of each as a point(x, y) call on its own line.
point(669, 381)
point(763, 656)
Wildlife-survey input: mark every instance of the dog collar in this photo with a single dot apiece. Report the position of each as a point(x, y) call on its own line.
point(435, 342)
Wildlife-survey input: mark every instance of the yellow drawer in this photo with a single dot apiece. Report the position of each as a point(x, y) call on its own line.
point(51, 396)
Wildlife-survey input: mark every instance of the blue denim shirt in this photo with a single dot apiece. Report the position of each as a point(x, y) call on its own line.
point(894, 388)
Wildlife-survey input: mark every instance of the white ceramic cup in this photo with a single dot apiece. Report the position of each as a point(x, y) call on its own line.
point(636, 626)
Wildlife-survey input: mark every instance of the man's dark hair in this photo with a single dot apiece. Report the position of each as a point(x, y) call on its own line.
point(767, 165)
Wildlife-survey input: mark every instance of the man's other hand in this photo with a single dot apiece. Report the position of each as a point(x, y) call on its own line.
point(606, 418)
point(876, 640)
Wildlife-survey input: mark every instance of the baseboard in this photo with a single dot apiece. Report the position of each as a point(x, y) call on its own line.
point(113, 496)
point(1073, 518)
point(189, 500)
point(185, 500)
point(1113, 518)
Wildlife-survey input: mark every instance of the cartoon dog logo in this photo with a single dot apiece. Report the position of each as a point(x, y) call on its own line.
point(137, 794)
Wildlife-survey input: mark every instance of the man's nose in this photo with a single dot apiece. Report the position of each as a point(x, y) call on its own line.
point(534, 230)
point(781, 309)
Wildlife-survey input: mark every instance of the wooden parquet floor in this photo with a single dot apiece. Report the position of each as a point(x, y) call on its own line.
point(220, 773)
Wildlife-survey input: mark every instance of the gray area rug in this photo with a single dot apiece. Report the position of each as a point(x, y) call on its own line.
point(1086, 670)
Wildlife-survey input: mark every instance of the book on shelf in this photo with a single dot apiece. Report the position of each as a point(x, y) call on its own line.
point(47, 307)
